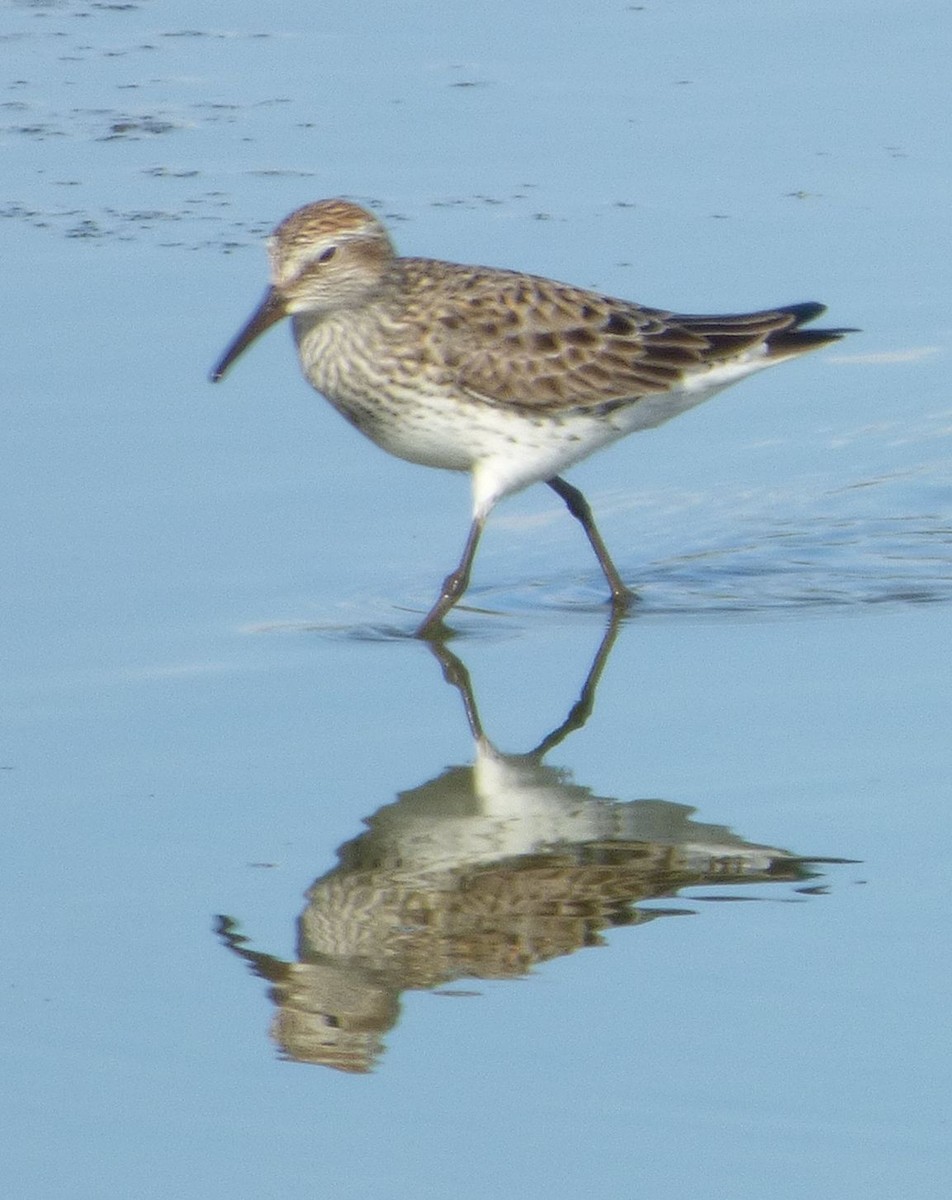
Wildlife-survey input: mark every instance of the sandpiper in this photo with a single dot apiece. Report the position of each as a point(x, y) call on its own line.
point(508, 376)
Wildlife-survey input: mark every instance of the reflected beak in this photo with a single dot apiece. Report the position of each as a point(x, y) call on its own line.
point(269, 312)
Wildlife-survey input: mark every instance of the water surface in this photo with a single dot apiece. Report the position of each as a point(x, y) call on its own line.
point(292, 904)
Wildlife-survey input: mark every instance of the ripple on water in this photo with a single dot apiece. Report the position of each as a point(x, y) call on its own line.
point(787, 568)
point(904, 559)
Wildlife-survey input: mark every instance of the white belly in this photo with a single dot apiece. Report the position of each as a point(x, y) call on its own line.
point(506, 448)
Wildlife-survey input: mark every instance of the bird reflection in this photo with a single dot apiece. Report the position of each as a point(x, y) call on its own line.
point(481, 873)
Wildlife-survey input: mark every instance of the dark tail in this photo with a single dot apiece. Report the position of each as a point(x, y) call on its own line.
point(793, 339)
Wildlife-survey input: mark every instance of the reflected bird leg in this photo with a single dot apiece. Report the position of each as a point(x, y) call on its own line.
point(454, 585)
point(578, 506)
point(581, 710)
point(456, 674)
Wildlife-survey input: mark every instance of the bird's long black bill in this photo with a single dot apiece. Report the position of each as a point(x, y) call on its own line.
point(268, 313)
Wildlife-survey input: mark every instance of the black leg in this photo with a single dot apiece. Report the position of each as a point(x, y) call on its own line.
point(581, 710)
point(454, 585)
point(577, 505)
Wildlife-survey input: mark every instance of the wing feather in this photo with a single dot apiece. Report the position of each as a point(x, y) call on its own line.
point(520, 340)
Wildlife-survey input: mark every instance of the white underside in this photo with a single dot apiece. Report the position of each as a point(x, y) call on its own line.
point(548, 446)
point(505, 448)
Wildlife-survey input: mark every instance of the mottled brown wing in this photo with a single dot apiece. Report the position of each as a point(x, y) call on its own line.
point(520, 340)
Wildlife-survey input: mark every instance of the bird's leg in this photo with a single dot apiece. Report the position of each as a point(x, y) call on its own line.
point(455, 673)
point(581, 710)
point(454, 585)
point(578, 506)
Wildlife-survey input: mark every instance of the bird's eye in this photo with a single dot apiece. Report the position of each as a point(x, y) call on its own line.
point(328, 254)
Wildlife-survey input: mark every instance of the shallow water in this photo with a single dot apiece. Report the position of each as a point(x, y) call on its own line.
point(294, 904)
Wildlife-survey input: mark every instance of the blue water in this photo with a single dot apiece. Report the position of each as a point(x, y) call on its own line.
point(288, 904)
